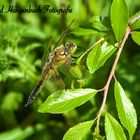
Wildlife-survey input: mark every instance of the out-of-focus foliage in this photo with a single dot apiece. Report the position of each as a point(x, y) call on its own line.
point(23, 41)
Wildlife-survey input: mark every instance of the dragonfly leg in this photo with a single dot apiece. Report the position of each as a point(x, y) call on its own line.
point(55, 73)
point(68, 60)
point(57, 76)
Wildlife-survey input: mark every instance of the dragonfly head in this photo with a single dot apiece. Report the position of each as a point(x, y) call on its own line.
point(70, 47)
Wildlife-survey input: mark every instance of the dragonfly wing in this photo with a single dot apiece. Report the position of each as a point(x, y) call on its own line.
point(57, 81)
point(39, 85)
point(47, 48)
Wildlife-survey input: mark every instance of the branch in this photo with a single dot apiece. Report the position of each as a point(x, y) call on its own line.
point(111, 75)
point(98, 42)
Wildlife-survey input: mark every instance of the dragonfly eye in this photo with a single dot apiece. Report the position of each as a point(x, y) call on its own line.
point(70, 47)
point(67, 45)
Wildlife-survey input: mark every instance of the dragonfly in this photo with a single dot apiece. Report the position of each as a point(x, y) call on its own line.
point(61, 54)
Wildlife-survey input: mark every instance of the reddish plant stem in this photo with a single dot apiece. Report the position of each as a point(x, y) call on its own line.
point(128, 31)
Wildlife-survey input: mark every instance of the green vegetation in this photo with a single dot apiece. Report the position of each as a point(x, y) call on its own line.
point(97, 96)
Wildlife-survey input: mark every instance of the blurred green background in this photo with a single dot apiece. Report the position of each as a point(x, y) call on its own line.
point(23, 38)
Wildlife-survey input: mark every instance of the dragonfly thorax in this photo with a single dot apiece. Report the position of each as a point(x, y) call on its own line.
point(59, 55)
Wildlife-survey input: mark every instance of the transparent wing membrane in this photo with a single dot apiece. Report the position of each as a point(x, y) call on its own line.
point(59, 55)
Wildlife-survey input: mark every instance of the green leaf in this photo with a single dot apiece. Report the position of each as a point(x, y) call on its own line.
point(83, 31)
point(97, 136)
point(136, 37)
point(13, 103)
point(4, 63)
point(19, 133)
point(135, 25)
point(98, 56)
point(93, 58)
point(107, 51)
point(135, 21)
point(11, 31)
point(119, 18)
point(97, 23)
point(113, 129)
point(32, 47)
point(34, 33)
point(63, 101)
point(78, 71)
point(15, 73)
point(80, 131)
point(126, 111)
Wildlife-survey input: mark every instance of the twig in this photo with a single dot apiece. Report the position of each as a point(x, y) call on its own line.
point(111, 75)
point(98, 42)
point(134, 19)
point(115, 77)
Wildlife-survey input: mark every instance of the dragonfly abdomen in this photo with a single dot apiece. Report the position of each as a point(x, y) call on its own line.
point(35, 92)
